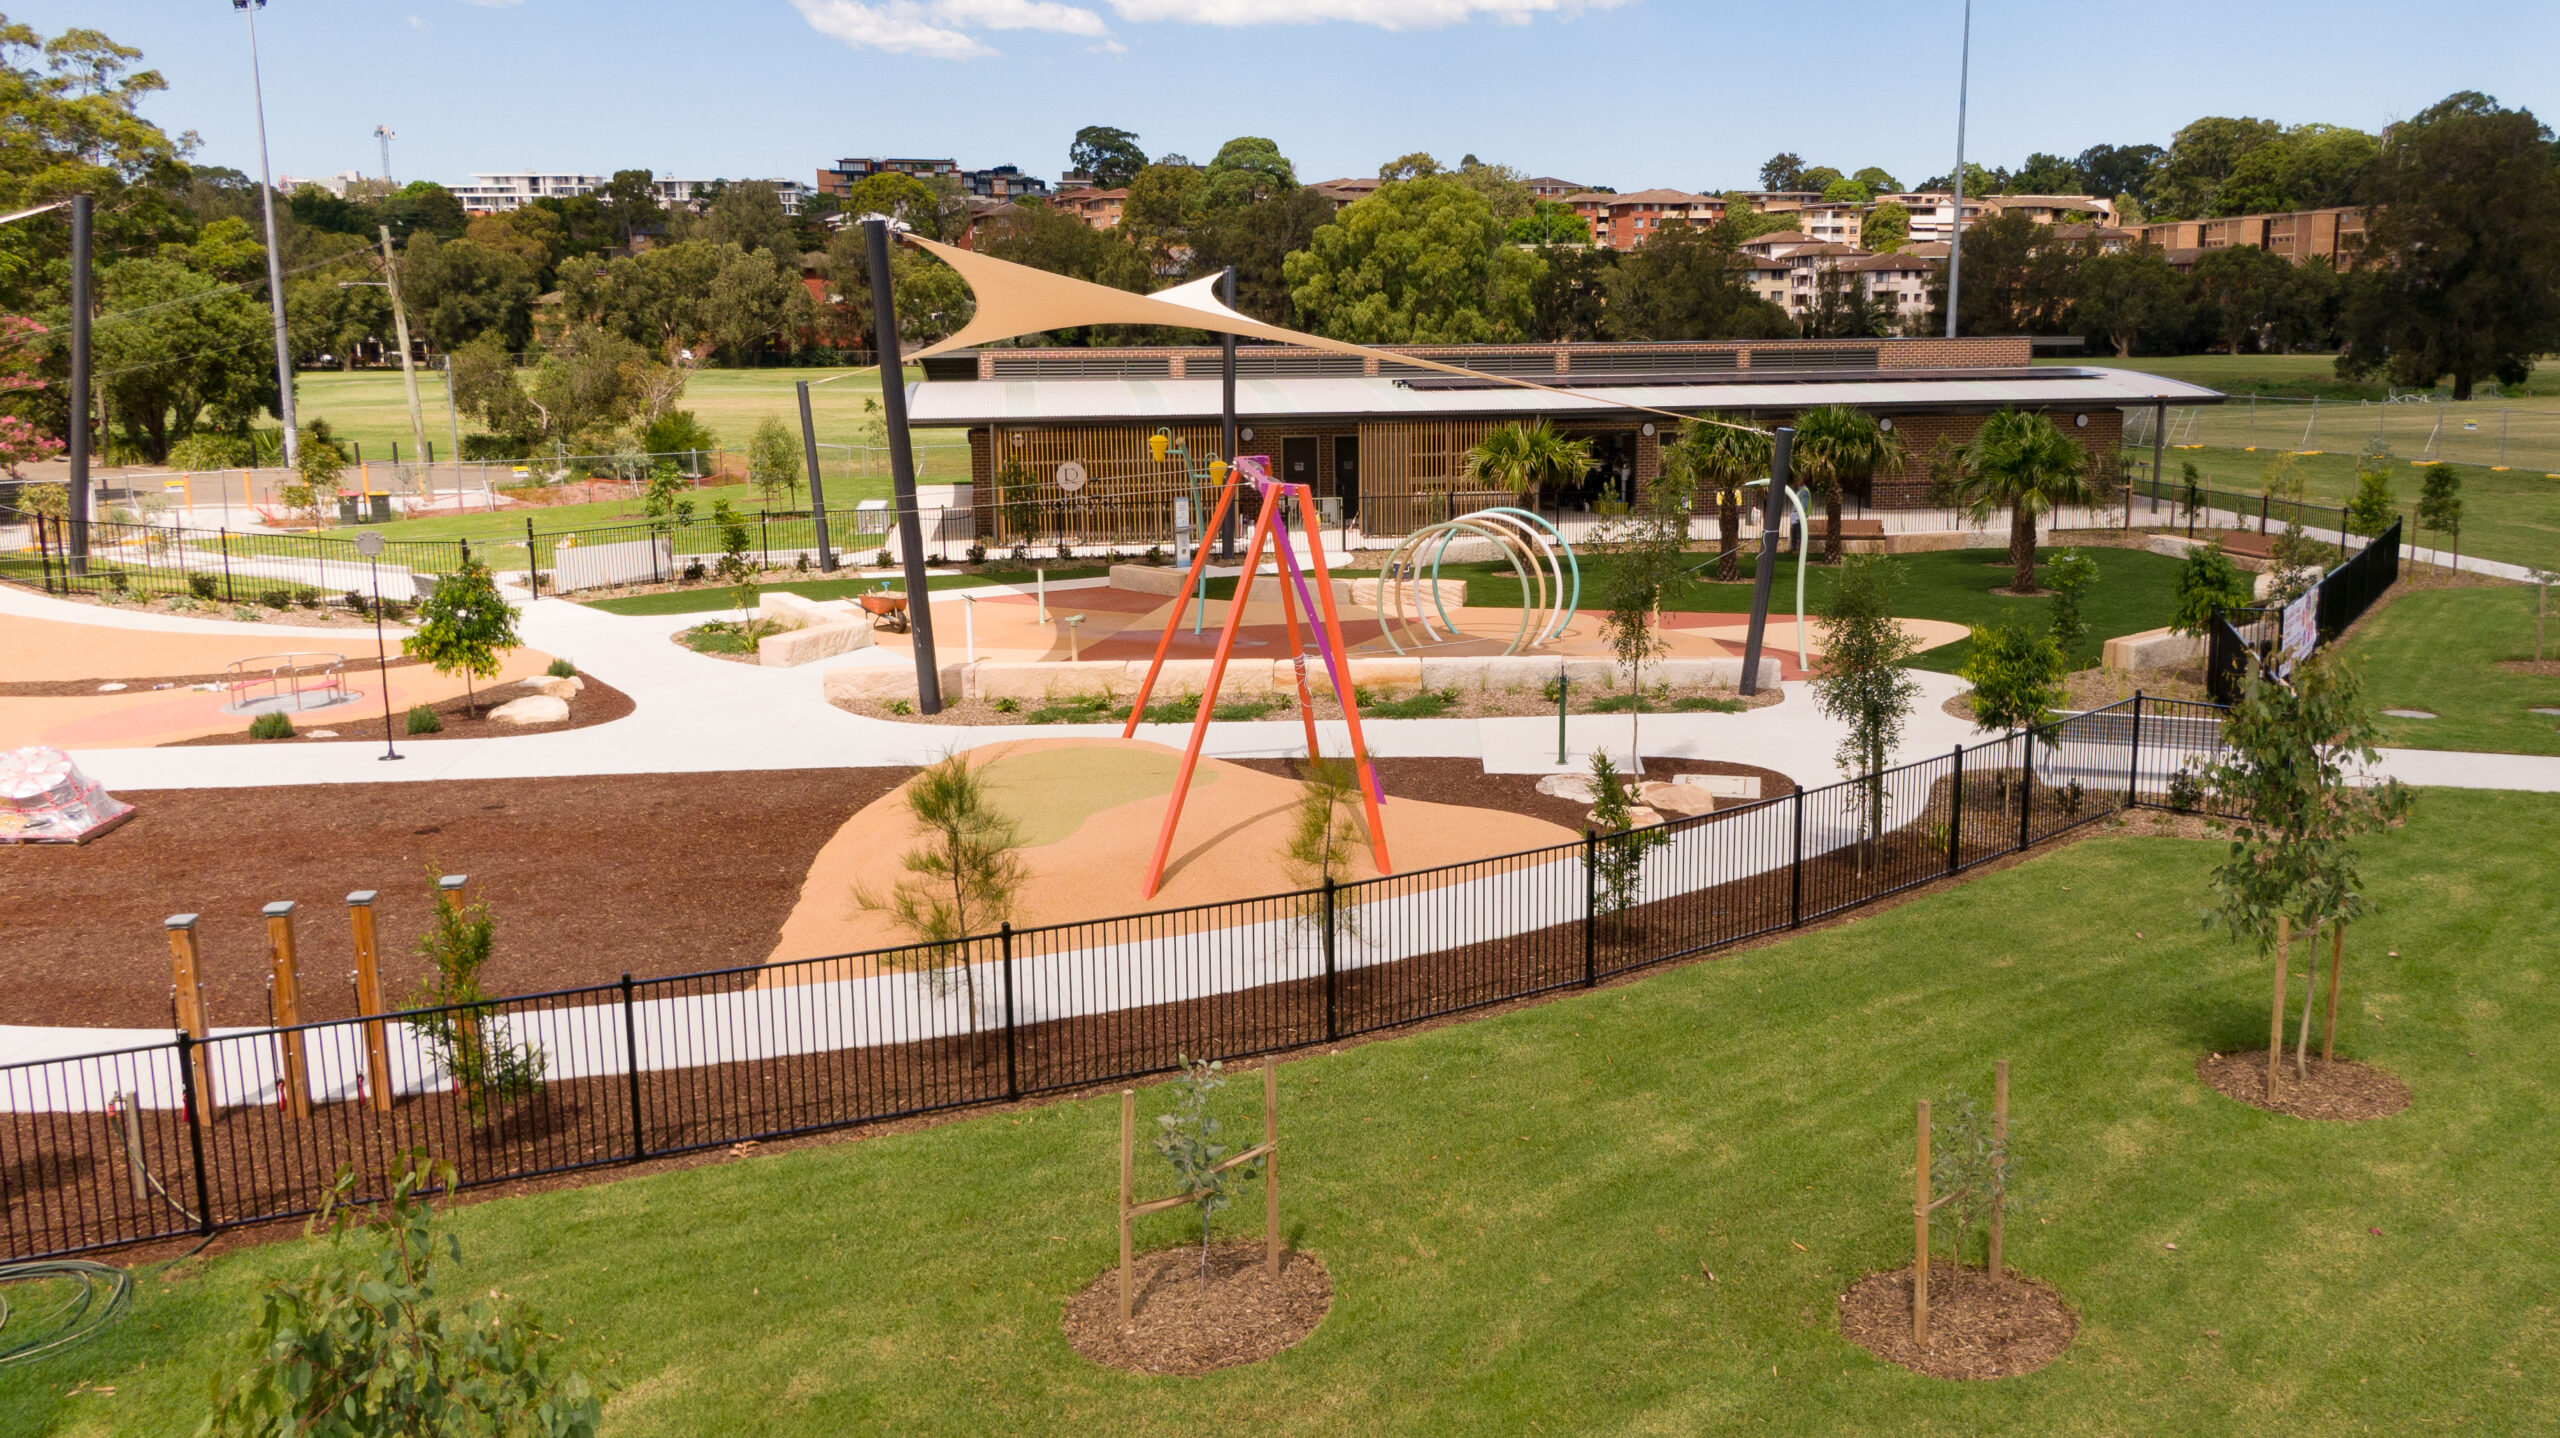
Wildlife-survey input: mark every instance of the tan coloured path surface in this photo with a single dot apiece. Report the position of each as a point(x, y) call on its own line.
point(1097, 804)
point(46, 649)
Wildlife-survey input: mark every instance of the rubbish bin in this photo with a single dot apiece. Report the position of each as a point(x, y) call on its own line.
point(348, 511)
point(381, 509)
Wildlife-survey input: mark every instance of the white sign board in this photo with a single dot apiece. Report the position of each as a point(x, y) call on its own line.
point(2297, 634)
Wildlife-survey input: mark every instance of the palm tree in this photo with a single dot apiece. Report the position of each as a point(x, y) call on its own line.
point(1720, 452)
point(1522, 457)
point(2024, 463)
point(1834, 445)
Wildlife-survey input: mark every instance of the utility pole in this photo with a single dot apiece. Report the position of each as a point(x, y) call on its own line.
point(275, 259)
point(1955, 245)
point(400, 323)
point(386, 135)
point(78, 450)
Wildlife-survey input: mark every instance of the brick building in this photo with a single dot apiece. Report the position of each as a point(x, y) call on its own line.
point(2337, 235)
point(1389, 445)
point(1622, 222)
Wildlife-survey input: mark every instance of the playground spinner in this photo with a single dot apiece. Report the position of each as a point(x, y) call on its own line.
point(1269, 531)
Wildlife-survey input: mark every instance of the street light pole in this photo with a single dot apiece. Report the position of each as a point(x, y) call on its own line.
point(369, 544)
point(1955, 245)
point(275, 259)
point(78, 431)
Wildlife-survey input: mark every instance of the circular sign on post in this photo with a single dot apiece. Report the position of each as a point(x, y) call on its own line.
point(369, 544)
point(1071, 476)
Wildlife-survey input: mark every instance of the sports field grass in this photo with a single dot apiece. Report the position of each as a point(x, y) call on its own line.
point(370, 406)
point(2511, 515)
point(2132, 594)
point(1633, 1211)
point(2299, 376)
point(2439, 650)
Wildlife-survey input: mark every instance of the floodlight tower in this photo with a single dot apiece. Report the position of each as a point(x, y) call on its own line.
point(386, 135)
point(1955, 246)
point(275, 258)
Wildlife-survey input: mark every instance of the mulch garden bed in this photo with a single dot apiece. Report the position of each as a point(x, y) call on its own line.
point(2338, 1090)
point(1180, 1326)
point(588, 877)
point(1979, 1326)
point(1464, 781)
point(465, 717)
point(1460, 704)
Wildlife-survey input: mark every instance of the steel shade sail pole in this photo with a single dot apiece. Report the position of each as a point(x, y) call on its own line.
point(1227, 406)
point(902, 467)
point(275, 256)
point(1955, 244)
point(78, 430)
point(817, 490)
point(1781, 448)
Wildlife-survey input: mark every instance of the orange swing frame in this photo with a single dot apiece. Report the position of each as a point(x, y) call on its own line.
point(1234, 624)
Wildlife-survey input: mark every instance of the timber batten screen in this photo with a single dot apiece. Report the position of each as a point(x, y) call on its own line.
point(1127, 496)
point(1412, 474)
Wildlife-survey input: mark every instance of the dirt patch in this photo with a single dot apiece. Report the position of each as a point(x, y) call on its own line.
point(2338, 1090)
point(588, 877)
point(1180, 1326)
point(1464, 781)
point(1980, 1326)
point(598, 703)
point(2538, 668)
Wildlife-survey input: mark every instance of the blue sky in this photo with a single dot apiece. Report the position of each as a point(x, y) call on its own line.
point(1630, 94)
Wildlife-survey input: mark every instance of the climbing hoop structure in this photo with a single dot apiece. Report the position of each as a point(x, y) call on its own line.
point(1550, 580)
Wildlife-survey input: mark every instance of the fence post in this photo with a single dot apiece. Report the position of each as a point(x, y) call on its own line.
point(2027, 793)
point(190, 1063)
point(44, 553)
point(228, 597)
point(631, 1069)
point(1012, 1078)
point(1590, 908)
point(1955, 815)
point(2133, 756)
point(377, 1049)
point(1332, 1027)
point(1795, 868)
point(186, 987)
point(532, 560)
point(286, 975)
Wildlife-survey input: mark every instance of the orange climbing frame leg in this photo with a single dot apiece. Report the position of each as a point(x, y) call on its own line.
point(1190, 592)
point(1298, 659)
point(1208, 695)
point(1344, 689)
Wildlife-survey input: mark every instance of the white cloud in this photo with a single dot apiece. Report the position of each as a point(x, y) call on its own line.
point(417, 24)
point(939, 29)
point(1385, 14)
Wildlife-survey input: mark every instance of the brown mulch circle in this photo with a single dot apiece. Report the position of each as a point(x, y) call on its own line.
point(1979, 1326)
point(1179, 1326)
point(2538, 668)
point(2340, 1090)
point(464, 716)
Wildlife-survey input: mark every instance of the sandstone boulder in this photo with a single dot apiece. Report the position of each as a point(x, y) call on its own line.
point(532, 709)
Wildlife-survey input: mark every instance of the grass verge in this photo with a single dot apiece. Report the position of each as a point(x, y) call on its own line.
point(2439, 650)
point(1634, 1210)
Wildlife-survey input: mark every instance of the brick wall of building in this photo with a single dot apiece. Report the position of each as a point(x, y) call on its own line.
point(1923, 434)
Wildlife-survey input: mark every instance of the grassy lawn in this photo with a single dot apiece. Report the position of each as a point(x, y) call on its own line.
point(2300, 376)
point(868, 579)
point(2438, 650)
point(2132, 594)
point(1521, 1212)
point(2513, 515)
point(370, 407)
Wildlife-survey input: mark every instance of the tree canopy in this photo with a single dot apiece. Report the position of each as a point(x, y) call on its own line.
point(1111, 156)
point(1420, 261)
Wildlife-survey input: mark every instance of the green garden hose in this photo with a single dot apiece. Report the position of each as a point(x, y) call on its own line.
point(96, 1297)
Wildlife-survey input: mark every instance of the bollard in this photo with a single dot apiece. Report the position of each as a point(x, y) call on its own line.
point(294, 1073)
point(187, 997)
point(377, 1045)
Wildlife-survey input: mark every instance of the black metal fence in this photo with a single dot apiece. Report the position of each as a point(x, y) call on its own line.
point(2242, 636)
point(193, 1136)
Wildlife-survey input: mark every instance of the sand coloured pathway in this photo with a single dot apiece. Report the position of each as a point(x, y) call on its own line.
point(1089, 810)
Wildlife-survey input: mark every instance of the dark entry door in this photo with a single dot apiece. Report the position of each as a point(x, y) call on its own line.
point(1298, 461)
point(1346, 473)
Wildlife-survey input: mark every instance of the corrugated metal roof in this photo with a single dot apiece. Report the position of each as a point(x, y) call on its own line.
point(973, 402)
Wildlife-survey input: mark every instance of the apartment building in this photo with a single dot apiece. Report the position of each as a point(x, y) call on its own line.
point(1548, 187)
point(2054, 209)
point(694, 194)
point(2336, 235)
point(1623, 222)
point(1933, 212)
point(497, 194)
point(1777, 244)
point(1764, 201)
point(1897, 280)
point(1833, 223)
point(1098, 208)
point(1346, 191)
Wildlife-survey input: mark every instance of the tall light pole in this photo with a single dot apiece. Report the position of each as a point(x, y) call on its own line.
point(275, 261)
point(385, 134)
point(1955, 246)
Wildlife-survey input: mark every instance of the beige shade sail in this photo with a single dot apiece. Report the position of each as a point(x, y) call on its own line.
point(1016, 300)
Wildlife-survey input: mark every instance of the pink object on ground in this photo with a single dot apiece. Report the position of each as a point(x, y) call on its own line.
point(45, 799)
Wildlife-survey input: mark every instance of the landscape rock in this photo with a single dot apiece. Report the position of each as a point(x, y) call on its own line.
point(557, 687)
point(1574, 788)
point(1677, 800)
point(532, 709)
point(870, 683)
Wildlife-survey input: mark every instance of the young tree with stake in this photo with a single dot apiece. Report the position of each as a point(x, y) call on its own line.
point(1862, 683)
point(963, 880)
point(2293, 780)
point(464, 627)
